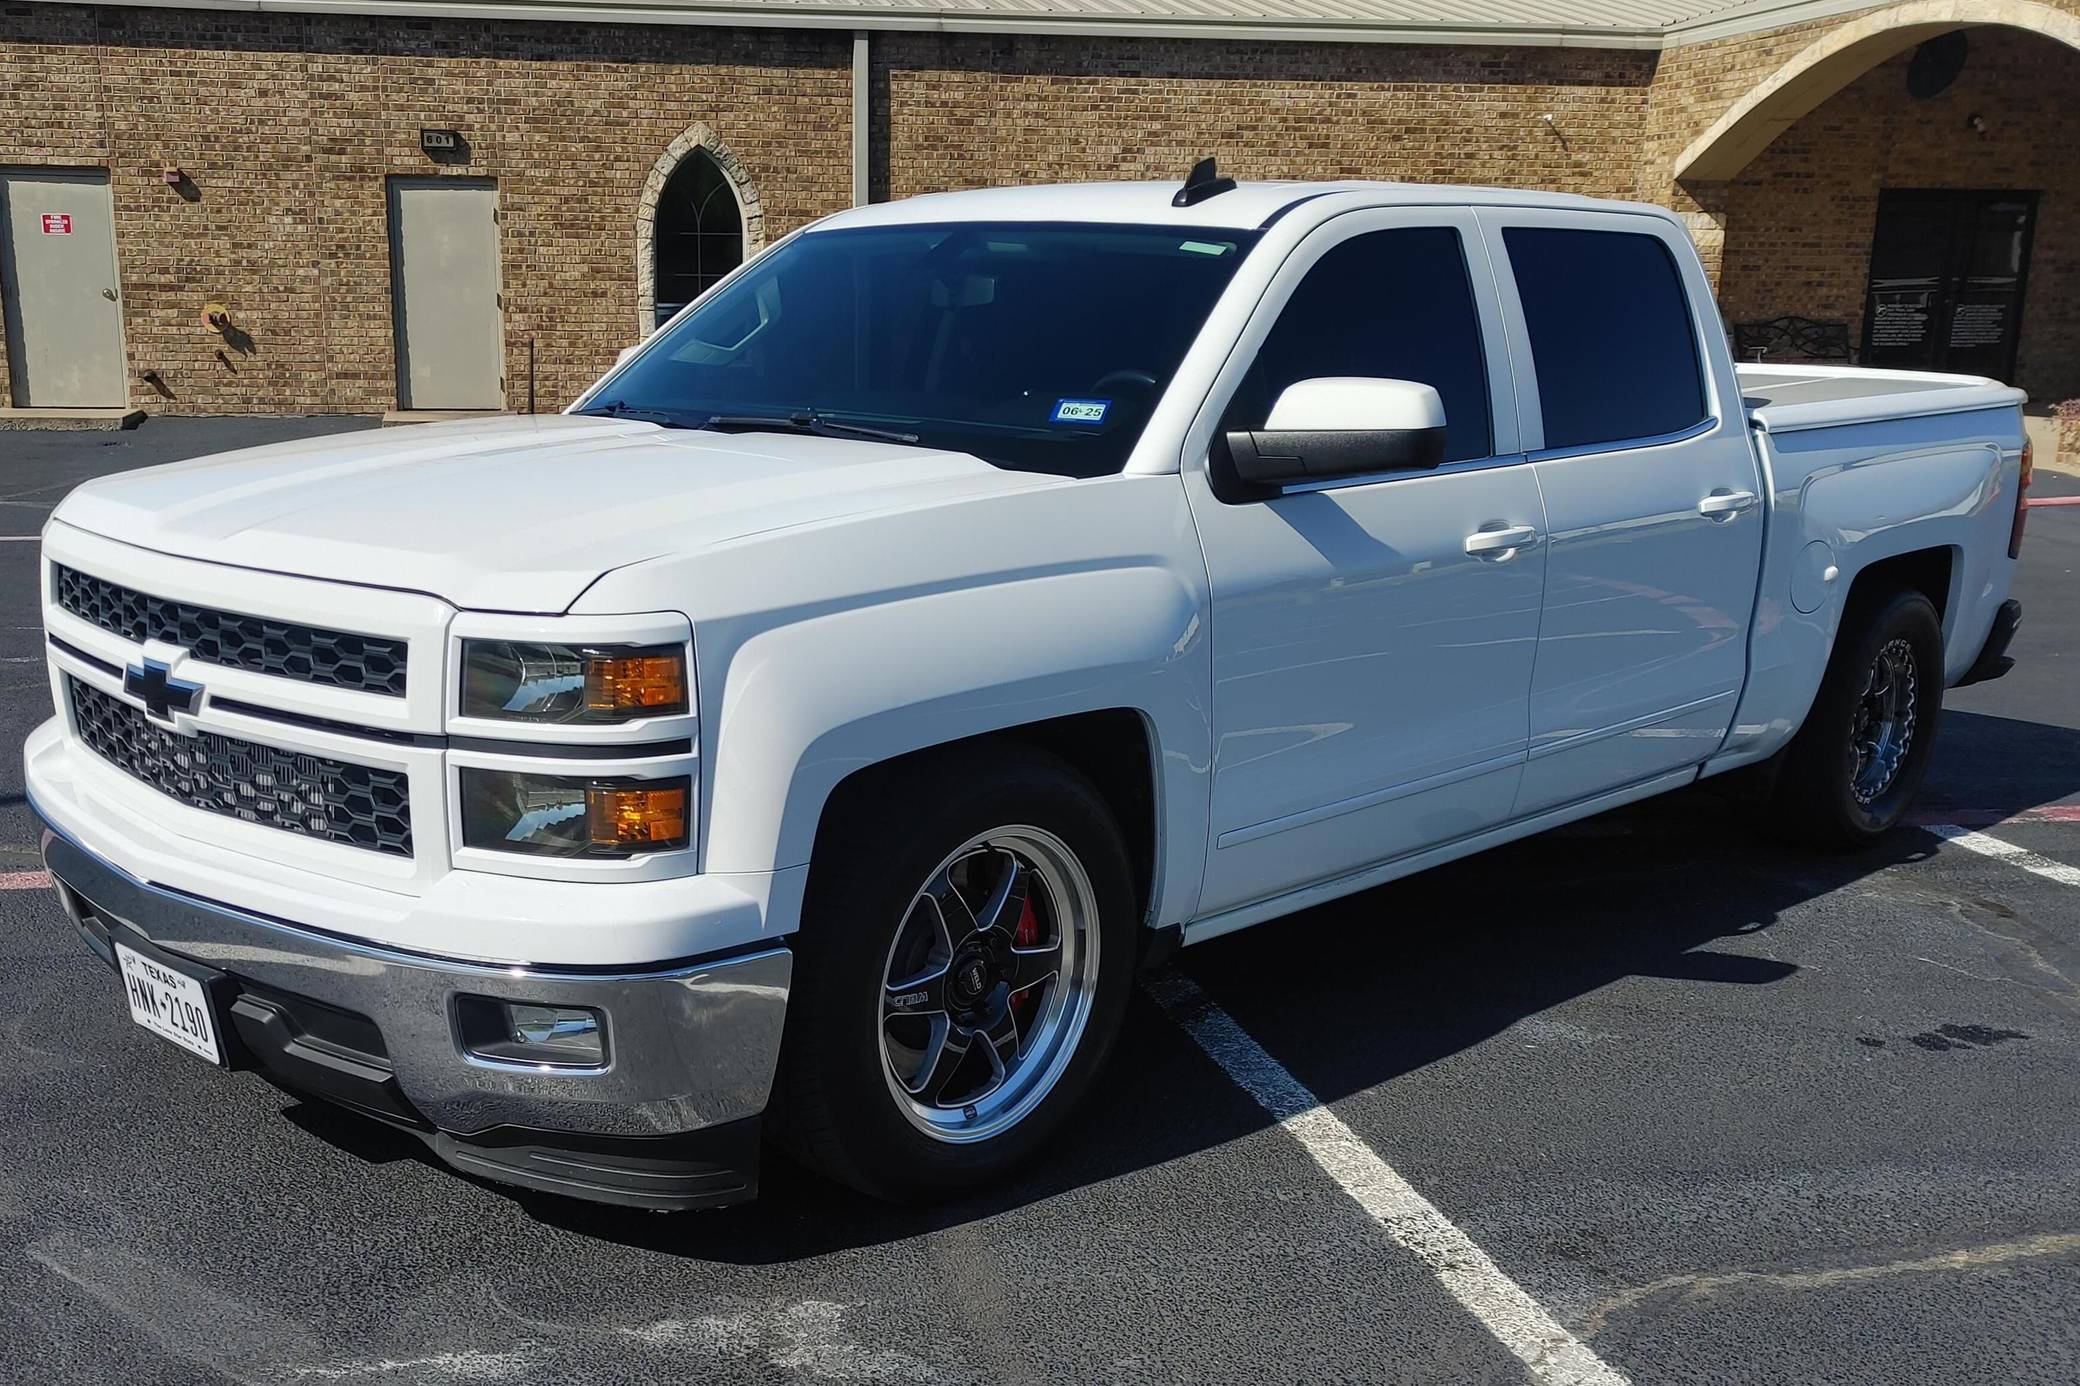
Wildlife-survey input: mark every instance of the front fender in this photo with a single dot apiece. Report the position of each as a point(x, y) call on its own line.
point(804, 705)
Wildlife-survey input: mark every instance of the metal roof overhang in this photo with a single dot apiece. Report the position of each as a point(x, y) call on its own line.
point(1605, 24)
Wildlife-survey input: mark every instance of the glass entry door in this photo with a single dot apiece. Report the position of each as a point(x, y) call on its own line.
point(1947, 275)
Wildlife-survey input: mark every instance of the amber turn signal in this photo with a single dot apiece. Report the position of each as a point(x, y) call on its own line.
point(647, 682)
point(633, 818)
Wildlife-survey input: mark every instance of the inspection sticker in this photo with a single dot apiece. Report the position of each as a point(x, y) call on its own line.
point(1083, 411)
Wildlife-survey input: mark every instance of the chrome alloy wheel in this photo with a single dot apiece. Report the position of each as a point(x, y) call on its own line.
point(988, 984)
point(1882, 729)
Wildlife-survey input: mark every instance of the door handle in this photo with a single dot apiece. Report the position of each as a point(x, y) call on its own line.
point(1500, 543)
point(1723, 504)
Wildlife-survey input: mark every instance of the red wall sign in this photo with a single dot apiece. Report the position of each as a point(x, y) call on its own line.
point(57, 223)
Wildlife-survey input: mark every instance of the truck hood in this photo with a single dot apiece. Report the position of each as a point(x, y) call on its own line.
point(510, 514)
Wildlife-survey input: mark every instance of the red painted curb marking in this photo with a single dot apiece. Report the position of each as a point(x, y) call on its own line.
point(2038, 501)
point(1986, 818)
point(24, 880)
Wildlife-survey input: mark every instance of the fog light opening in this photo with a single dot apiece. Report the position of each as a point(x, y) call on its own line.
point(531, 1034)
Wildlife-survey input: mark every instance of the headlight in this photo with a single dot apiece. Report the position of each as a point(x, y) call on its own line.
point(517, 681)
point(573, 816)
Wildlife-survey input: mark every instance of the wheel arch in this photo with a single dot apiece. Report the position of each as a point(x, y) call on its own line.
point(1115, 748)
point(1931, 571)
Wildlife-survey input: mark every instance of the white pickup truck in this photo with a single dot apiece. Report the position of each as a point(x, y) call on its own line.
point(810, 732)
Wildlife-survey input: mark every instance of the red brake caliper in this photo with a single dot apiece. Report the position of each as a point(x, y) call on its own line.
point(1025, 936)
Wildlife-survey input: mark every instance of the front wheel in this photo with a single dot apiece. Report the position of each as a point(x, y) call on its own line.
point(964, 963)
point(1850, 773)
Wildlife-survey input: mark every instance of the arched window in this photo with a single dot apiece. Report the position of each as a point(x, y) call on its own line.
point(700, 232)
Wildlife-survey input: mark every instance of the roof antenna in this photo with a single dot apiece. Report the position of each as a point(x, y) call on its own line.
point(1201, 183)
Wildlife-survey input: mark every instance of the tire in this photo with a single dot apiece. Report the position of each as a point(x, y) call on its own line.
point(879, 1090)
point(1842, 783)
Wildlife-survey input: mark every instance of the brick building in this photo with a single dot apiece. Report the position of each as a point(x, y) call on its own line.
point(287, 207)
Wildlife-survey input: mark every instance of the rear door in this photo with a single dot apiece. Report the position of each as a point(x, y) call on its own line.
point(1370, 672)
point(1652, 497)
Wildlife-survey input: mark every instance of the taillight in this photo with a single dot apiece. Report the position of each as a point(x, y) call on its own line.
point(2021, 503)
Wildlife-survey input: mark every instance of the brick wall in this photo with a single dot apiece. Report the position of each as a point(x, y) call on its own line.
point(971, 111)
point(289, 125)
point(1799, 218)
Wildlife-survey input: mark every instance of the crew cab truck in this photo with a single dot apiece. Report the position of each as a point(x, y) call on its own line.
point(809, 733)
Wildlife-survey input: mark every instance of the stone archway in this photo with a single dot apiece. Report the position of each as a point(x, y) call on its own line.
point(1838, 58)
point(1841, 190)
point(698, 137)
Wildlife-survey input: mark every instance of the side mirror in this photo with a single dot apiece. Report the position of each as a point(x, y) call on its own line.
point(1341, 426)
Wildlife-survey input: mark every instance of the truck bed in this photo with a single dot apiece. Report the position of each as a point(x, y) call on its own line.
point(1788, 399)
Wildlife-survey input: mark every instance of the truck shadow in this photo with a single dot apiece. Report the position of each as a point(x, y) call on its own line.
point(1360, 992)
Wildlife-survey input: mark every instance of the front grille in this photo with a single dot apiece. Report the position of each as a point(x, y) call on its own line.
point(332, 800)
point(286, 649)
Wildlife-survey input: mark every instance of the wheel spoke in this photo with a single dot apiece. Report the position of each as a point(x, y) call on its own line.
point(1000, 1047)
point(943, 1054)
point(1006, 898)
point(956, 920)
point(1032, 966)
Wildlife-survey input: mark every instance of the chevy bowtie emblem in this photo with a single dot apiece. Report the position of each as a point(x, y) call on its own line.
point(163, 694)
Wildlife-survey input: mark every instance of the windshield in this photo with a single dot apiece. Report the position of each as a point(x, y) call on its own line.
point(1036, 347)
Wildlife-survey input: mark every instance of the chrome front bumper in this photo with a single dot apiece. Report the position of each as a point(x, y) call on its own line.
point(690, 1047)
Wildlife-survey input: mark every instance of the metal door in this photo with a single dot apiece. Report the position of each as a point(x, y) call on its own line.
point(58, 278)
point(444, 288)
point(1372, 640)
point(1948, 271)
point(1655, 539)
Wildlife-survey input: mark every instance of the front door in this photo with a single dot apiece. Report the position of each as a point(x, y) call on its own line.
point(1653, 499)
point(1948, 270)
point(444, 273)
point(58, 280)
point(1370, 673)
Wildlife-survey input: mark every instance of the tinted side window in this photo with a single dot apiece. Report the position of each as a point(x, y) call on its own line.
point(1611, 334)
point(1392, 304)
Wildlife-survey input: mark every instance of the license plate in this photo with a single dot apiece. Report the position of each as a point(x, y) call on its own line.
point(170, 1003)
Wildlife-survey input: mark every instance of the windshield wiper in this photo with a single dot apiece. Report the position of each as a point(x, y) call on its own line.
point(622, 409)
point(808, 421)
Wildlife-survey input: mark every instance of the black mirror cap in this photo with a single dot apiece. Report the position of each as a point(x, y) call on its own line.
point(1254, 464)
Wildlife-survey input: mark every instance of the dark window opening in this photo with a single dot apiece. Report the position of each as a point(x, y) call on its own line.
point(699, 233)
point(1612, 337)
point(1393, 305)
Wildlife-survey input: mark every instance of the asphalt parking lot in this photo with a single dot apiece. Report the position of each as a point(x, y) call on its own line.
point(1725, 1112)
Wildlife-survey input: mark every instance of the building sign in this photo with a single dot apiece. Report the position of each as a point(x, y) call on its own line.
point(1899, 318)
point(440, 141)
point(57, 223)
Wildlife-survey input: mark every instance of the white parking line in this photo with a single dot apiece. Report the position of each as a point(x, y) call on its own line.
point(2008, 852)
point(1517, 1320)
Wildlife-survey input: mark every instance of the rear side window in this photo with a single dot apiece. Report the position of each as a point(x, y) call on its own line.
point(1611, 334)
point(1390, 304)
